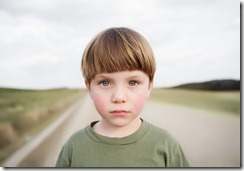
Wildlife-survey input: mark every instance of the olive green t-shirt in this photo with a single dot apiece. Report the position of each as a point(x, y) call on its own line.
point(149, 146)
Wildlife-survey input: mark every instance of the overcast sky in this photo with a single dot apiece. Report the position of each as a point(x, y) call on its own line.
point(42, 41)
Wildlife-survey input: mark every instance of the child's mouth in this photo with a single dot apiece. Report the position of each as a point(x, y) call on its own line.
point(119, 112)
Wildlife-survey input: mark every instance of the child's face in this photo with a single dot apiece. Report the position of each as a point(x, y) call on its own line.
point(120, 97)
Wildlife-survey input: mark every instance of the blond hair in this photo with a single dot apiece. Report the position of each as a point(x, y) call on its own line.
point(117, 49)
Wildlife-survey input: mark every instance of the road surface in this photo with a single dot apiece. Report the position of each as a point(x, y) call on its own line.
point(208, 139)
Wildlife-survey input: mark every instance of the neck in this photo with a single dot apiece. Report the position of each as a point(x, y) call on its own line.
point(108, 130)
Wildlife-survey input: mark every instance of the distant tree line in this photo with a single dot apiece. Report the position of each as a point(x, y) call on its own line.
point(215, 85)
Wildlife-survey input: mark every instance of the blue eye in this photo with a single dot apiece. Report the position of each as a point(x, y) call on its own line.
point(133, 83)
point(104, 83)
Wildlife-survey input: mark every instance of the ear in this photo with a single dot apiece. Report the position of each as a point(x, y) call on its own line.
point(150, 88)
point(88, 86)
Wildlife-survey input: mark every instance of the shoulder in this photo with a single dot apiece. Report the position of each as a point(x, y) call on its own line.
point(78, 136)
point(76, 140)
point(159, 133)
point(66, 153)
point(161, 137)
point(167, 145)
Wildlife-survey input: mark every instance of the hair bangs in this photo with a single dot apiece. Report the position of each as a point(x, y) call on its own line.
point(117, 50)
point(114, 56)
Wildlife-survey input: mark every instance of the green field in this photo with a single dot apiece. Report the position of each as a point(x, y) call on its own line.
point(216, 101)
point(24, 113)
point(14, 102)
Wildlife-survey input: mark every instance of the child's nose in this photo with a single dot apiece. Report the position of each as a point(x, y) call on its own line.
point(119, 95)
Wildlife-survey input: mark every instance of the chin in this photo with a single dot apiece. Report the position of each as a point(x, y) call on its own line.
point(121, 122)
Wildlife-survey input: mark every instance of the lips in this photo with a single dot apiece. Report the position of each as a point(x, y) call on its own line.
point(119, 112)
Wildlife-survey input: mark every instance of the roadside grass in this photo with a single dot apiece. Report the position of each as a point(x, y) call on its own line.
point(24, 113)
point(216, 101)
point(14, 102)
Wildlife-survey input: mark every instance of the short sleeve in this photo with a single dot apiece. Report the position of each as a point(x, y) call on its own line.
point(64, 158)
point(178, 157)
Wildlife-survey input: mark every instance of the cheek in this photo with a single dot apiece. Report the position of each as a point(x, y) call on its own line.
point(139, 102)
point(99, 102)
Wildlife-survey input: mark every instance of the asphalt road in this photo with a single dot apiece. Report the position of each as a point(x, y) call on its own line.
point(208, 139)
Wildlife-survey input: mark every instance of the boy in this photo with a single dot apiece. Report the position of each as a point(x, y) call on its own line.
point(118, 67)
